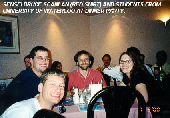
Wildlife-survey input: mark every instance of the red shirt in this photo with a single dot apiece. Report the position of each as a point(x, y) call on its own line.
point(77, 80)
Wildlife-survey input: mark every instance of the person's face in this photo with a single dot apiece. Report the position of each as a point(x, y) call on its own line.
point(40, 61)
point(27, 62)
point(53, 90)
point(106, 61)
point(59, 66)
point(83, 61)
point(126, 64)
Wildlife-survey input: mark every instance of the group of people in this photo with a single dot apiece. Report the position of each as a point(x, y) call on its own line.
point(38, 87)
point(34, 88)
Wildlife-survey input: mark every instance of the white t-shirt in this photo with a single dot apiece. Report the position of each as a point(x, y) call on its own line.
point(23, 109)
point(114, 72)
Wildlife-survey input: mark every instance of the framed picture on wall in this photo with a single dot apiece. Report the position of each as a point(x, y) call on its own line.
point(9, 42)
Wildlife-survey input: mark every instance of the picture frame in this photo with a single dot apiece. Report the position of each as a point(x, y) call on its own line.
point(9, 35)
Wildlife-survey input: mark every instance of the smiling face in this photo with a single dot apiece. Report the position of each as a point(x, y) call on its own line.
point(52, 91)
point(40, 62)
point(83, 61)
point(126, 64)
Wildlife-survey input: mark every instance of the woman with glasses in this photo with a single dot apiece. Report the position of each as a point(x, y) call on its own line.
point(133, 73)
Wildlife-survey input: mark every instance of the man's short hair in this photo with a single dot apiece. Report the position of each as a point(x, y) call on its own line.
point(35, 49)
point(82, 52)
point(106, 55)
point(48, 72)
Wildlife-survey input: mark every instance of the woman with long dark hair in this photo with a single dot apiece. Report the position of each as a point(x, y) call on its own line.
point(133, 73)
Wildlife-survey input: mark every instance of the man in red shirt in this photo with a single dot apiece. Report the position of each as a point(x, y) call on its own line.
point(83, 75)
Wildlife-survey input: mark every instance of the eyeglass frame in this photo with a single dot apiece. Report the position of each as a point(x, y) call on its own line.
point(82, 60)
point(126, 61)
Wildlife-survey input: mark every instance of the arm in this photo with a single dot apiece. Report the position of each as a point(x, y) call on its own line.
point(142, 89)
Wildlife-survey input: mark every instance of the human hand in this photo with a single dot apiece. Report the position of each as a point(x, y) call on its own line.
point(100, 68)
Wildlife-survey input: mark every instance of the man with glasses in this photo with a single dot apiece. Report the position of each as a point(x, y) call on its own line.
point(84, 75)
point(25, 85)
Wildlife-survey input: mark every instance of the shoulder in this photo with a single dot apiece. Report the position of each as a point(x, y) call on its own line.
point(167, 64)
point(26, 73)
point(139, 77)
point(21, 109)
point(138, 74)
point(96, 72)
point(154, 66)
point(73, 72)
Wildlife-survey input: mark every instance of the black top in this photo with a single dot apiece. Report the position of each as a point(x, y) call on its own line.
point(23, 87)
point(136, 78)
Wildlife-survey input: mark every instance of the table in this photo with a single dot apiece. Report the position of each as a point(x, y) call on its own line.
point(73, 112)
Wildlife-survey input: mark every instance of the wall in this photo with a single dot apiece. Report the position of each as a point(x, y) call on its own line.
point(62, 34)
point(139, 27)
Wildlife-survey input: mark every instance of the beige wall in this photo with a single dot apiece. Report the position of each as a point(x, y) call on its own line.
point(139, 27)
point(62, 34)
point(65, 34)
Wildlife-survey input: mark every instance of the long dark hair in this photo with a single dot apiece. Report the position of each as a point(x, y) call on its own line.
point(138, 69)
point(135, 69)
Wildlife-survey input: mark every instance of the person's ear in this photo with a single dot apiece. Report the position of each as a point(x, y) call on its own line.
point(31, 61)
point(40, 87)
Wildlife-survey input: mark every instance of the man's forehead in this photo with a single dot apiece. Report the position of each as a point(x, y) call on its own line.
point(83, 55)
point(39, 52)
point(106, 58)
point(54, 77)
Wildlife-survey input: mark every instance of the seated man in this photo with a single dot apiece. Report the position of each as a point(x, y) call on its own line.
point(106, 62)
point(24, 86)
point(51, 88)
point(84, 75)
point(161, 58)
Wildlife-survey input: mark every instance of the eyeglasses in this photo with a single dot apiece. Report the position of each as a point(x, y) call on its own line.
point(127, 61)
point(42, 59)
point(82, 60)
